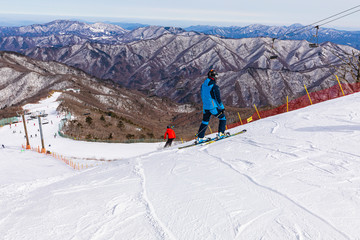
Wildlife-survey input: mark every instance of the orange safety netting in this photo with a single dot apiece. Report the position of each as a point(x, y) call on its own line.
point(304, 101)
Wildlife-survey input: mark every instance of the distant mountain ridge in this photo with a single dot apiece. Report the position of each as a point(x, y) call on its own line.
point(171, 62)
point(60, 27)
point(113, 33)
point(292, 32)
point(64, 33)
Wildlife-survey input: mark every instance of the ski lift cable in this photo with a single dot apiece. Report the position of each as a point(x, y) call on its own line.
point(339, 17)
point(310, 25)
point(336, 15)
point(303, 29)
point(317, 27)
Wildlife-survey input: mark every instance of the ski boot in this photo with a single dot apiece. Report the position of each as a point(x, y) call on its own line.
point(221, 135)
point(202, 140)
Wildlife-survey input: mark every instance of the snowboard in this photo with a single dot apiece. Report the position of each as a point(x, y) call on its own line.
point(212, 140)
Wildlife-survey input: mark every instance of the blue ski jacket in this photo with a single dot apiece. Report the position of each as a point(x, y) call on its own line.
point(210, 95)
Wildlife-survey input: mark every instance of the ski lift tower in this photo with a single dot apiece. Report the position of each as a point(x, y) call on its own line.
point(43, 150)
point(25, 129)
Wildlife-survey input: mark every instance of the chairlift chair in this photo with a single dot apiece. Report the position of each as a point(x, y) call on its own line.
point(151, 92)
point(272, 46)
point(180, 86)
point(45, 121)
point(315, 45)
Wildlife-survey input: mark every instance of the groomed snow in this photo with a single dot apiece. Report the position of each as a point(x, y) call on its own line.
point(291, 176)
point(67, 147)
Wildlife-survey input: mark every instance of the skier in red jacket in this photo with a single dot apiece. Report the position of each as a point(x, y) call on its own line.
point(171, 136)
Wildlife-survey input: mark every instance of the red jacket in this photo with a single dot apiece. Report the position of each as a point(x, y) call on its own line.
point(170, 133)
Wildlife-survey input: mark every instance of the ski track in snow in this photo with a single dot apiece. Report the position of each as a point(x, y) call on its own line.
point(274, 129)
point(283, 196)
point(160, 228)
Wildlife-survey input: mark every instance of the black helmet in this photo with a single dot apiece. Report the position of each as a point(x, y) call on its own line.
point(212, 74)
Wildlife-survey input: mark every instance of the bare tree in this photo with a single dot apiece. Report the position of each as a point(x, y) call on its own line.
point(350, 67)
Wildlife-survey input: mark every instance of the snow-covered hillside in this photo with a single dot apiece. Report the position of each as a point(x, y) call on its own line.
point(66, 147)
point(174, 66)
point(292, 176)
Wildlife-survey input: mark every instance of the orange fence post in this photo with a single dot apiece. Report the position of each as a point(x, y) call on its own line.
point(308, 94)
point(287, 103)
point(340, 85)
point(257, 111)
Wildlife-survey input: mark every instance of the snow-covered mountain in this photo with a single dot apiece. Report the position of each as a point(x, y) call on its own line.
point(292, 176)
point(172, 62)
point(113, 32)
point(60, 27)
point(150, 32)
point(292, 32)
point(17, 38)
point(174, 65)
point(64, 33)
point(24, 80)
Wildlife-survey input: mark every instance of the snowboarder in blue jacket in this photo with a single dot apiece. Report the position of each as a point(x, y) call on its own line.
point(212, 105)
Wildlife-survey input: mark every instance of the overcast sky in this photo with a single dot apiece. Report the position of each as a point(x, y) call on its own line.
point(186, 12)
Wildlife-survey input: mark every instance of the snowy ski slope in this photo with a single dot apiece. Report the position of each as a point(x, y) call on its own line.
point(291, 176)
